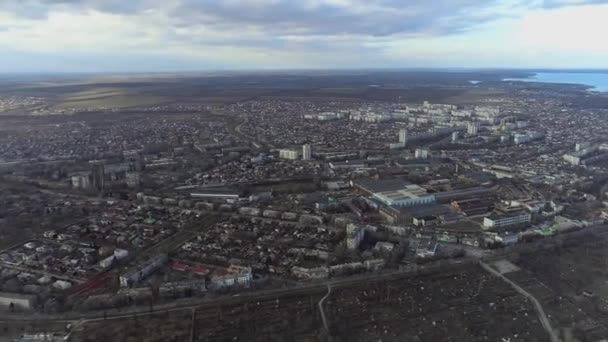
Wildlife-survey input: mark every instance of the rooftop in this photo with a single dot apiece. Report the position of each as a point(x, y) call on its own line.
point(411, 191)
point(382, 185)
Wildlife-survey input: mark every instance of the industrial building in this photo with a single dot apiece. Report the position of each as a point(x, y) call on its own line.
point(394, 192)
point(406, 215)
point(223, 194)
point(502, 220)
point(349, 164)
point(409, 196)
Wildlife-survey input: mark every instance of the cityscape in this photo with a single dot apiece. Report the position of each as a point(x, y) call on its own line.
point(303, 171)
point(274, 210)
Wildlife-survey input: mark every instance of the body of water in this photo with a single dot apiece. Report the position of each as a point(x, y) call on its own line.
point(597, 81)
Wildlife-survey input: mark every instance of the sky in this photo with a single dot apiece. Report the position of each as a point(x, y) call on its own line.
point(193, 35)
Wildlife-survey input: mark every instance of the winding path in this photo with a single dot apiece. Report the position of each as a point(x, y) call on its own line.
point(542, 316)
point(323, 318)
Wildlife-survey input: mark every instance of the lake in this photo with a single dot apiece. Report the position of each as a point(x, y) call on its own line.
point(598, 81)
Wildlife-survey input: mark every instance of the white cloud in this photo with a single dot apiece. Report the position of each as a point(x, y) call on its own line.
point(313, 34)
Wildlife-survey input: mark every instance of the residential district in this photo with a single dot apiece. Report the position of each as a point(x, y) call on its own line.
point(105, 212)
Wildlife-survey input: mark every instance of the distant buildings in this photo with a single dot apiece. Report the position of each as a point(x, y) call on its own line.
point(235, 275)
point(410, 196)
point(348, 164)
point(98, 175)
point(354, 235)
point(394, 192)
point(473, 128)
point(133, 179)
point(527, 137)
point(502, 220)
point(306, 152)
point(143, 271)
point(81, 181)
point(289, 154)
point(403, 136)
point(586, 153)
point(421, 154)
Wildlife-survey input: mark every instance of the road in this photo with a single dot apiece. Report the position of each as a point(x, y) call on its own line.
point(323, 318)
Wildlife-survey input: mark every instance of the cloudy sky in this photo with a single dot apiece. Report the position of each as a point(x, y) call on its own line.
point(184, 35)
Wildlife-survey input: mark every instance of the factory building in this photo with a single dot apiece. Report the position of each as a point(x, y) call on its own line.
point(394, 192)
point(410, 196)
point(497, 220)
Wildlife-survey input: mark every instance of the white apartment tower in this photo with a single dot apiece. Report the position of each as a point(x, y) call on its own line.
point(403, 136)
point(306, 152)
point(473, 128)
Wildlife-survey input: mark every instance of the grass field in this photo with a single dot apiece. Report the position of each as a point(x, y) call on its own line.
point(108, 98)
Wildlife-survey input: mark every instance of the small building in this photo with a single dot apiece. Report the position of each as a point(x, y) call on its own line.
point(81, 181)
point(235, 275)
point(310, 273)
point(62, 285)
point(426, 248)
point(143, 271)
point(421, 154)
point(384, 247)
point(18, 300)
point(289, 154)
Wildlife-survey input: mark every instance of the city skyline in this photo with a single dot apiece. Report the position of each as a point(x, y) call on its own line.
point(187, 35)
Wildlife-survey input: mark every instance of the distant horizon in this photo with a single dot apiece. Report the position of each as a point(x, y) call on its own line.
point(286, 70)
